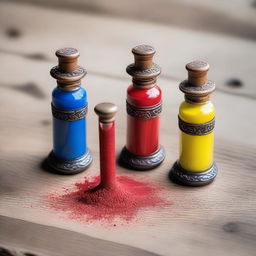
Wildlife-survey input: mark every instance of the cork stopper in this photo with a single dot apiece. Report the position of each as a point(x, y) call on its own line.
point(68, 73)
point(197, 88)
point(106, 112)
point(143, 56)
point(143, 70)
point(197, 72)
point(67, 59)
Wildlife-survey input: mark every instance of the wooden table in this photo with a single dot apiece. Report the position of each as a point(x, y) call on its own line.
point(218, 219)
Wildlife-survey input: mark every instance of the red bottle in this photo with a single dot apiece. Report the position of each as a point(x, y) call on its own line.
point(144, 105)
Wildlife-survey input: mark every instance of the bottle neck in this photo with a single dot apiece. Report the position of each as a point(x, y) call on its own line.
point(196, 99)
point(69, 87)
point(142, 84)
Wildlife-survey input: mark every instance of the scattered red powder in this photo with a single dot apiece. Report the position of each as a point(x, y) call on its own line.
point(90, 201)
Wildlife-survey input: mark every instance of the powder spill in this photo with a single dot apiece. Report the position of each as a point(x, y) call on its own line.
point(89, 201)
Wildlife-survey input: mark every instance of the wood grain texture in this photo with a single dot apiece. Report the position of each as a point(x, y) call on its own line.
point(45, 240)
point(229, 57)
point(218, 219)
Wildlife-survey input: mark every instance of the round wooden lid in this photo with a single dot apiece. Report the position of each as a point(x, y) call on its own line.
point(106, 112)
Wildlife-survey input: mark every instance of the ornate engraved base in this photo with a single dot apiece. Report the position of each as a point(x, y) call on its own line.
point(182, 176)
point(142, 162)
point(69, 167)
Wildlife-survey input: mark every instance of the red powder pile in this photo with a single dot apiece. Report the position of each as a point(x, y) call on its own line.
point(90, 201)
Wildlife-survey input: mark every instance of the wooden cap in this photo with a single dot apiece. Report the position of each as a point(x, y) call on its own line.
point(143, 70)
point(68, 73)
point(67, 59)
point(197, 72)
point(106, 112)
point(197, 88)
point(143, 56)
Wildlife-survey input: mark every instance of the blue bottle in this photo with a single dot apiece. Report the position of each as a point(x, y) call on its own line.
point(70, 154)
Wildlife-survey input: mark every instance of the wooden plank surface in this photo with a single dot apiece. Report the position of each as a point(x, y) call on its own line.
point(219, 218)
point(105, 44)
point(26, 237)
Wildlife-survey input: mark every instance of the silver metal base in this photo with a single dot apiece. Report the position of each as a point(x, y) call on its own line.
point(142, 162)
point(69, 167)
point(185, 177)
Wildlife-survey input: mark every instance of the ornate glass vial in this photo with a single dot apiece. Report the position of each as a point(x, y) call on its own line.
point(196, 122)
point(144, 105)
point(69, 108)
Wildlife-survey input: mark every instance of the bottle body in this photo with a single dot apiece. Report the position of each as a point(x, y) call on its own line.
point(143, 130)
point(196, 151)
point(69, 137)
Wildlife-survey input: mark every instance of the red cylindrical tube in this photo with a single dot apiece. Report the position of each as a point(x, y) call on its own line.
point(106, 113)
point(107, 154)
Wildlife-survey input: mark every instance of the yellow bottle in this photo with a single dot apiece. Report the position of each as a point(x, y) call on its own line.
point(196, 122)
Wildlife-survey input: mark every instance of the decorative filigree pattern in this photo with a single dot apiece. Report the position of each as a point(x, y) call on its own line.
point(142, 162)
point(196, 129)
point(187, 88)
point(69, 116)
point(154, 71)
point(55, 72)
point(66, 166)
point(144, 113)
point(194, 178)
